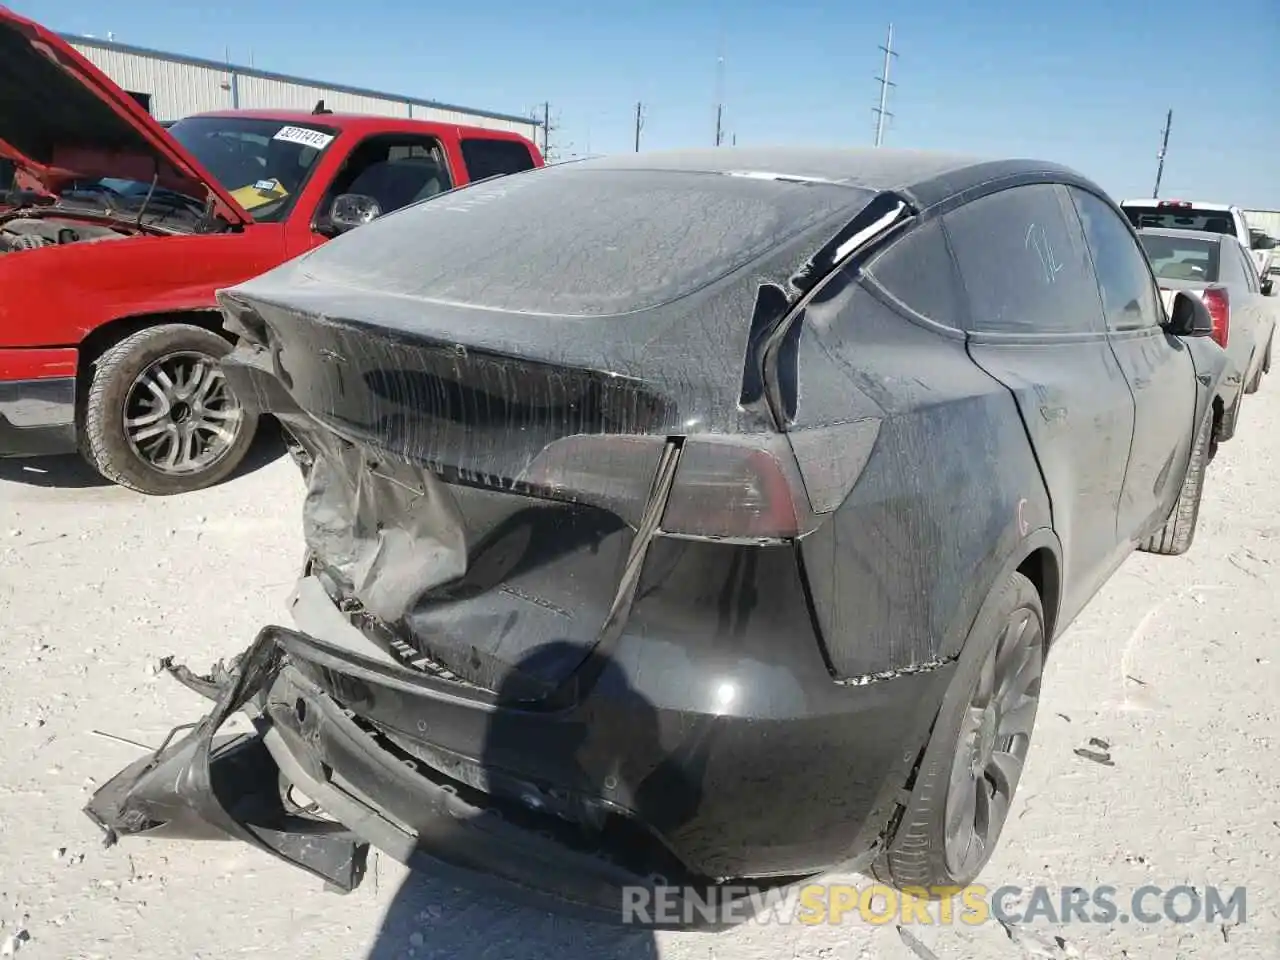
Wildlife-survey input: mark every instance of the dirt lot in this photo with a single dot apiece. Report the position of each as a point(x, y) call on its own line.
point(1174, 667)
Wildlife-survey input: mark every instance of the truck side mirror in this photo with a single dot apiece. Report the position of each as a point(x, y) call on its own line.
point(351, 210)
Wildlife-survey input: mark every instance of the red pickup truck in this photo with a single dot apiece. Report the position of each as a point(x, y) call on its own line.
point(116, 232)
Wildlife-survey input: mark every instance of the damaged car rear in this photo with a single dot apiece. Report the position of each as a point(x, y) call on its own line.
point(663, 531)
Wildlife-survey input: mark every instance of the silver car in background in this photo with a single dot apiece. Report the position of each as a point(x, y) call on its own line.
point(1218, 268)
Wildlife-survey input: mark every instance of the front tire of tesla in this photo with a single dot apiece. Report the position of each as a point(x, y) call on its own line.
point(970, 770)
point(160, 417)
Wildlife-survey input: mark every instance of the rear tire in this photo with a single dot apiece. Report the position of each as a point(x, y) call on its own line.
point(159, 418)
point(974, 759)
point(1179, 531)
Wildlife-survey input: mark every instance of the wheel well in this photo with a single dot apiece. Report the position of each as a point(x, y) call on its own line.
point(100, 340)
point(1041, 568)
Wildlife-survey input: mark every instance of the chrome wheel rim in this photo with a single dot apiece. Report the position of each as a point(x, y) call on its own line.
point(995, 735)
point(180, 417)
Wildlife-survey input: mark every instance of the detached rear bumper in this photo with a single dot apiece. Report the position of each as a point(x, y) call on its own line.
point(440, 784)
point(37, 417)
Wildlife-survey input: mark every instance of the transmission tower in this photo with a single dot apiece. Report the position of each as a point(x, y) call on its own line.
point(1164, 148)
point(882, 112)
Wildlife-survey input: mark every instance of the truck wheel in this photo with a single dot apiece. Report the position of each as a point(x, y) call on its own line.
point(966, 781)
point(159, 417)
point(1179, 530)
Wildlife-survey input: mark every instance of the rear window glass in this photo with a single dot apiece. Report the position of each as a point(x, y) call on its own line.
point(1181, 218)
point(491, 158)
point(1175, 258)
point(562, 241)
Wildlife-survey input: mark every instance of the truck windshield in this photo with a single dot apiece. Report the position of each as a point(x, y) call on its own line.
point(261, 163)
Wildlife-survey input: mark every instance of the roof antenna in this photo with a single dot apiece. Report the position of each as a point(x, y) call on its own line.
point(320, 108)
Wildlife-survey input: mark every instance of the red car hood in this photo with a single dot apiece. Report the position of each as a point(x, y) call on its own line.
point(62, 119)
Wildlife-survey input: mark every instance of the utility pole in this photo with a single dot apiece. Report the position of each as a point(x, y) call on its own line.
point(720, 94)
point(639, 123)
point(1164, 148)
point(541, 114)
point(885, 83)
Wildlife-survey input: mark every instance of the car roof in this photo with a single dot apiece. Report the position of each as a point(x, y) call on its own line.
point(927, 177)
point(1182, 234)
point(1198, 204)
point(363, 122)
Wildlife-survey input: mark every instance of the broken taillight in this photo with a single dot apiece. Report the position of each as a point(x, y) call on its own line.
point(736, 491)
point(724, 488)
point(1218, 302)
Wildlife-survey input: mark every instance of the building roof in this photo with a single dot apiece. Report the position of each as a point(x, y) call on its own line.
point(100, 44)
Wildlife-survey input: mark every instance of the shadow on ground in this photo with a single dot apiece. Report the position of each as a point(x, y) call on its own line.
point(71, 472)
point(437, 921)
point(612, 736)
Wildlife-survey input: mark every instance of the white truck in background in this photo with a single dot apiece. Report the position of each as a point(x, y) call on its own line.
point(1206, 217)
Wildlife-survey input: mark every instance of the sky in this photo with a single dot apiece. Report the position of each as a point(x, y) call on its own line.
point(1085, 83)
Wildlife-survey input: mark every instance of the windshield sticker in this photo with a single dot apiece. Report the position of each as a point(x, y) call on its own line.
point(304, 136)
point(252, 196)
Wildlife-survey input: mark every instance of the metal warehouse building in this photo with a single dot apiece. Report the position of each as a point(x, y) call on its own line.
point(172, 86)
point(1267, 221)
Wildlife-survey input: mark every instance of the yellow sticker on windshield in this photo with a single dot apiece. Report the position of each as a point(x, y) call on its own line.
point(259, 194)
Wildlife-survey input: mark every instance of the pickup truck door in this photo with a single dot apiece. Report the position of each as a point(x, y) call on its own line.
point(396, 169)
point(1157, 366)
point(1260, 310)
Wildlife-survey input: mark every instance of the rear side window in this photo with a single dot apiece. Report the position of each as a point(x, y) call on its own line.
point(1234, 270)
point(1250, 270)
point(1128, 292)
point(917, 270)
point(1181, 258)
point(492, 158)
point(1024, 264)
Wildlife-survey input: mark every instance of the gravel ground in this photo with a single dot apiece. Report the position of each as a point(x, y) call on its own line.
point(1173, 667)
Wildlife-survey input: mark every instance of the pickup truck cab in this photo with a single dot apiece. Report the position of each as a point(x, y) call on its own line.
point(117, 232)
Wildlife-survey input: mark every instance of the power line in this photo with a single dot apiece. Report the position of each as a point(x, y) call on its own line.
point(881, 111)
point(1164, 148)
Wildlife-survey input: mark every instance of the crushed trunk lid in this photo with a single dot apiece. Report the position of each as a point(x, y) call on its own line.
point(492, 445)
